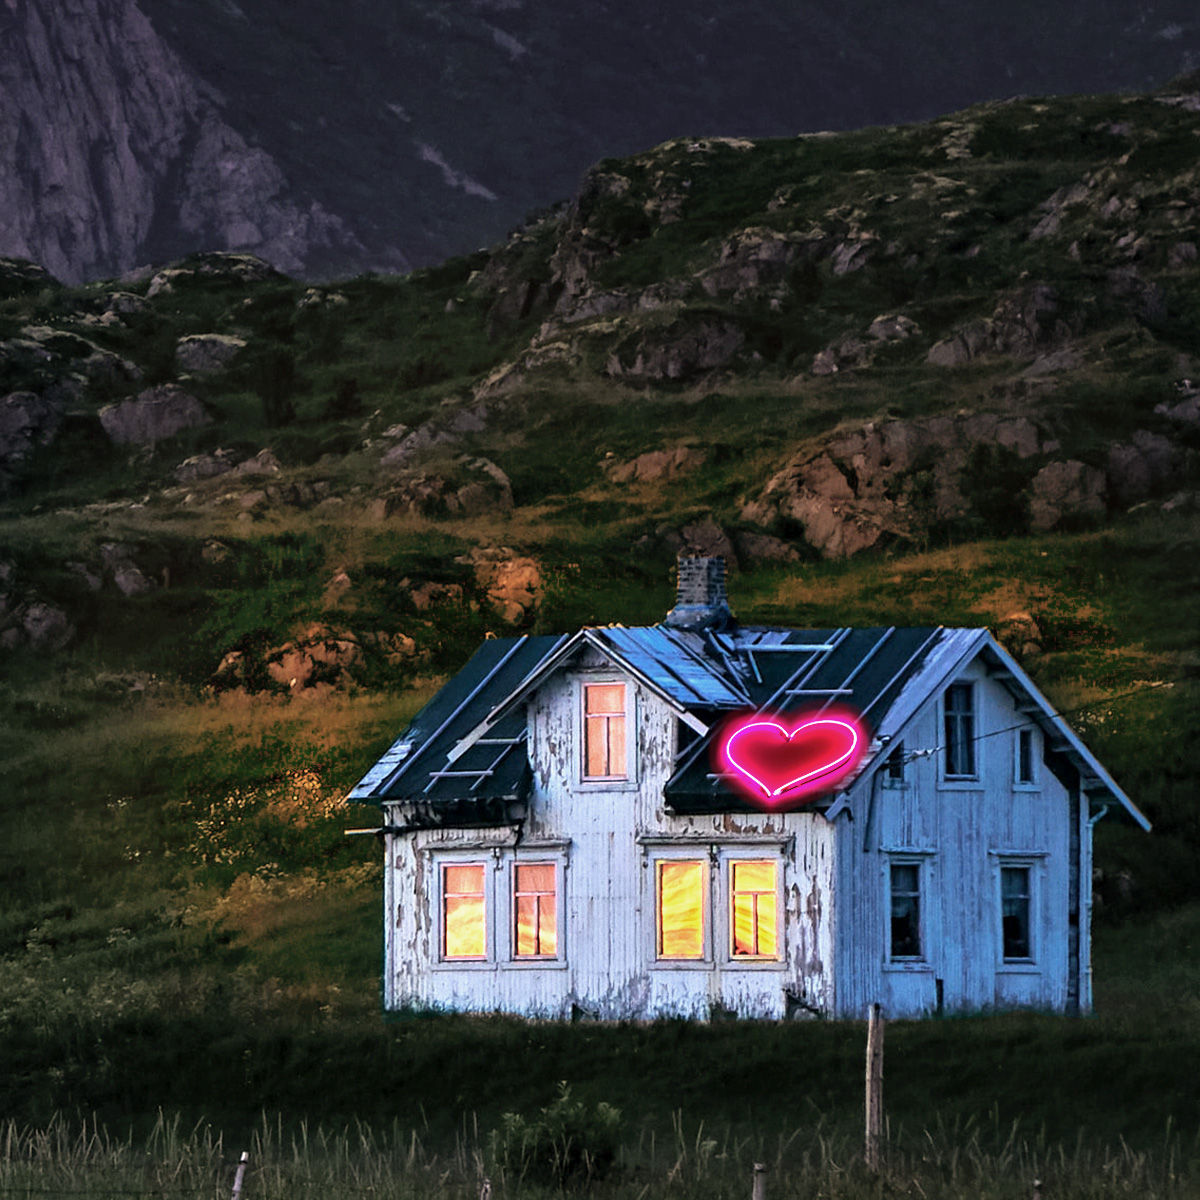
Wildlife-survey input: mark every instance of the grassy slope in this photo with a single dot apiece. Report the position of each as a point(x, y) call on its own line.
point(182, 923)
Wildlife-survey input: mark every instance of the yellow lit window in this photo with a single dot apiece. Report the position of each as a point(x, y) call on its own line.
point(464, 911)
point(536, 910)
point(753, 895)
point(680, 909)
point(604, 731)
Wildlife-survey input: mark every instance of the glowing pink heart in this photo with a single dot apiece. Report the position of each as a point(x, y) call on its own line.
point(776, 762)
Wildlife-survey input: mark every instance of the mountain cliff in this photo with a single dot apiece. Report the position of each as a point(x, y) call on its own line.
point(381, 135)
point(112, 153)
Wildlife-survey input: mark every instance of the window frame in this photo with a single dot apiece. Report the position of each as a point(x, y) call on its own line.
point(500, 905)
point(515, 958)
point(729, 861)
point(921, 958)
point(629, 780)
point(971, 717)
point(705, 959)
point(1031, 782)
point(1015, 963)
point(443, 863)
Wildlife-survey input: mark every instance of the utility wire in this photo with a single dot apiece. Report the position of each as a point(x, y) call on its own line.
point(913, 755)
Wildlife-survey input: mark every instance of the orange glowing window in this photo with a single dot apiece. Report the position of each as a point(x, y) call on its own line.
point(536, 910)
point(753, 896)
point(604, 731)
point(464, 911)
point(681, 909)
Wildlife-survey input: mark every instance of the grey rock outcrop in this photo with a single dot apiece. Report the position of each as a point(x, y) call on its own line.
point(1023, 323)
point(157, 413)
point(1069, 490)
point(120, 152)
point(204, 353)
point(655, 465)
point(678, 351)
point(889, 479)
point(26, 422)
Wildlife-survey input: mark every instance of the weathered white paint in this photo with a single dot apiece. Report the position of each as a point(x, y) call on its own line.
point(835, 898)
point(606, 838)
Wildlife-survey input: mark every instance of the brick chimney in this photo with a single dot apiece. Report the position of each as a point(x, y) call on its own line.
point(700, 602)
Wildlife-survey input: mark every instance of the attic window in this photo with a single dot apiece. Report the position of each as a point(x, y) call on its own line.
point(960, 731)
point(604, 733)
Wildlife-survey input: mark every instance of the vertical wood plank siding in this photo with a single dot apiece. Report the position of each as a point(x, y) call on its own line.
point(835, 902)
point(960, 832)
point(608, 835)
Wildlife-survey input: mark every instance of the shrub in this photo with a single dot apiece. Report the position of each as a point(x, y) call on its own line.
point(569, 1139)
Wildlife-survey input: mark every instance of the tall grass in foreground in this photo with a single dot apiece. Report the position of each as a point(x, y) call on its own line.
point(173, 1161)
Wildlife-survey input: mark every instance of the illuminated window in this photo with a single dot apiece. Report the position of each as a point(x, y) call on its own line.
point(960, 730)
point(1014, 912)
point(906, 910)
point(464, 911)
point(535, 910)
point(604, 742)
point(680, 908)
point(753, 898)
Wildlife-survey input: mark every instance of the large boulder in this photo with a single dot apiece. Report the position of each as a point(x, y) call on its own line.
point(206, 353)
point(678, 351)
point(655, 465)
point(887, 479)
point(26, 422)
point(1066, 492)
point(513, 582)
point(1023, 322)
point(157, 413)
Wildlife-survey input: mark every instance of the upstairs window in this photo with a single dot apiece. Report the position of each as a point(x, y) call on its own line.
point(679, 908)
point(753, 897)
point(960, 730)
point(1024, 764)
point(906, 910)
point(1014, 913)
point(464, 911)
point(604, 731)
point(535, 910)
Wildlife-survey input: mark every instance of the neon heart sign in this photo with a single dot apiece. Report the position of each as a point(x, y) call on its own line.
point(789, 760)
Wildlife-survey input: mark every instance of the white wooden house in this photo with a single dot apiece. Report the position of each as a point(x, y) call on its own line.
point(559, 841)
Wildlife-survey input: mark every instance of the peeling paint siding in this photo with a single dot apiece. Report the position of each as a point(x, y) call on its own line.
point(611, 834)
point(956, 830)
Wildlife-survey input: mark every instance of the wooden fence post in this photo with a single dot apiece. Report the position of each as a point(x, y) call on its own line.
point(241, 1175)
point(760, 1182)
point(874, 1087)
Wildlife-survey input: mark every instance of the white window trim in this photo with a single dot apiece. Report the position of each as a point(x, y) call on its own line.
point(490, 861)
point(1033, 863)
point(628, 782)
point(664, 854)
point(499, 882)
point(1032, 784)
point(923, 860)
point(531, 855)
point(746, 962)
point(974, 781)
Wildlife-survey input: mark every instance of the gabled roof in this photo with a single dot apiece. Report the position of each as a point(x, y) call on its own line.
point(463, 759)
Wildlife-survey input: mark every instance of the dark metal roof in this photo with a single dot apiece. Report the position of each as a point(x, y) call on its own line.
point(463, 760)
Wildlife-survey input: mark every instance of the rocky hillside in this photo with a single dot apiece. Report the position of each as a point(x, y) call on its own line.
point(782, 351)
point(376, 136)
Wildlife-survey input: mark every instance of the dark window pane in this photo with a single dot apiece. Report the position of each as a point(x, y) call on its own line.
point(960, 729)
point(1014, 919)
point(906, 911)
